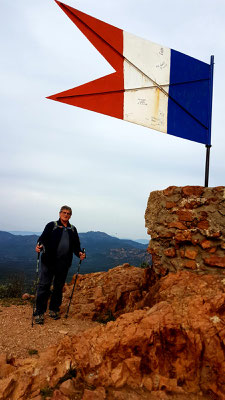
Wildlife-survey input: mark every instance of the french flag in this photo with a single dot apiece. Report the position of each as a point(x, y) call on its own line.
point(152, 85)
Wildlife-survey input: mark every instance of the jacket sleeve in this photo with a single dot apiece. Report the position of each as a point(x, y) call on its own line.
point(76, 243)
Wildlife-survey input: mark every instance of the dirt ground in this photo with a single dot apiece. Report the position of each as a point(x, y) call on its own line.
point(19, 339)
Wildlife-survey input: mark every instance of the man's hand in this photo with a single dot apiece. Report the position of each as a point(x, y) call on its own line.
point(82, 256)
point(38, 248)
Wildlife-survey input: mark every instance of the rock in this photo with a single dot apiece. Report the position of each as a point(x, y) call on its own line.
point(215, 261)
point(170, 252)
point(191, 253)
point(7, 387)
point(192, 191)
point(26, 296)
point(5, 367)
point(97, 394)
point(67, 387)
point(96, 298)
point(58, 395)
point(172, 342)
point(190, 223)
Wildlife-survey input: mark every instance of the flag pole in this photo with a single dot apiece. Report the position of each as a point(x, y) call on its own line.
point(208, 145)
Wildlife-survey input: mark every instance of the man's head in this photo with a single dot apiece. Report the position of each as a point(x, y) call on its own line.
point(65, 214)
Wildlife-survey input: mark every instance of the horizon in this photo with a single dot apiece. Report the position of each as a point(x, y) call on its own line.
point(29, 233)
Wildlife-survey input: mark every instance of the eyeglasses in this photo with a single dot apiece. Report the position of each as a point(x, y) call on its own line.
point(65, 212)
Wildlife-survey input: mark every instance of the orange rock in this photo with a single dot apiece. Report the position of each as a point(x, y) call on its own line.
point(7, 387)
point(170, 204)
point(147, 382)
point(203, 224)
point(67, 388)
point(192, 254)
point(215, 261)
point(191, 264)
point(58, 395)
point(212, 250)
point(193, 190)
point(183, 236)
point(166, 234)
point(170, 252)
point(177, 224)
point(206, 244)
point(185, 215)
point(97, 394)
point(169, 191)
point(216, 234)
point(157, 346)
point(26, 296)
point(5, 368)
point(95, 298)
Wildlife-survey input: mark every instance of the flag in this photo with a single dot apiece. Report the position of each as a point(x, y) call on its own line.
point(154, 86)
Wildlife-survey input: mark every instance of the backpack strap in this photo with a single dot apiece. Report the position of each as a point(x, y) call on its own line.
point(72, 227)
point(55, 226)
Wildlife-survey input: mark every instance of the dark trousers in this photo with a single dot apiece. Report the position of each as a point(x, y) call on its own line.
point(57, 275)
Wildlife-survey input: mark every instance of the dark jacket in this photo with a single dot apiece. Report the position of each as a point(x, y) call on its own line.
point(50, 239)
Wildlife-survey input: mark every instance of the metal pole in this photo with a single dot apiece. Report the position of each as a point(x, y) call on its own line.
point(208, 145)
point(71, 296)
point(74, 285)
point(36, 285)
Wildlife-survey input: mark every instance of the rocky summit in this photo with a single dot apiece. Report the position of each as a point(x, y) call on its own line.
point(161, 332)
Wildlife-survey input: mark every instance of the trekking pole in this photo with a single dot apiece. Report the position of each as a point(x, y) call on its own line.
point(71, 296)
point(36, 285)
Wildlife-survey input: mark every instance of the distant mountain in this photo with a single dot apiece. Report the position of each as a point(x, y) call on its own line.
point(143, 241)
point(17, 254)
point(24, 233)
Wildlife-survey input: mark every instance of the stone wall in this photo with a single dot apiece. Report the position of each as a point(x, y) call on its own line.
point(187, 228)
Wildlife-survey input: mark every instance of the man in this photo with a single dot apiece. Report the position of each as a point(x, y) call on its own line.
point(58, 241)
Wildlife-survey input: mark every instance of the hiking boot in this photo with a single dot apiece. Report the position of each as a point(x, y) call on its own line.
point(54, 314)
point(39, 319)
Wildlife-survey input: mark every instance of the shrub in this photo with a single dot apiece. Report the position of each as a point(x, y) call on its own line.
point(144, 264)
point(13, 288)
point(46, 392)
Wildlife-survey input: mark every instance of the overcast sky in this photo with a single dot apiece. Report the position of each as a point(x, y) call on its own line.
point(104, 168)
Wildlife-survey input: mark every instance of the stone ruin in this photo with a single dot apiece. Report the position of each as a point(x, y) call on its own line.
point(187, 228)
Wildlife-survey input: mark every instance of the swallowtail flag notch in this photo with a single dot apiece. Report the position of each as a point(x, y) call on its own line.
point(152, 85)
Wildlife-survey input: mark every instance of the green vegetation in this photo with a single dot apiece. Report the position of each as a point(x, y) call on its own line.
point(31, 352)
point(107, 317)
point(46, 392)
point(144, 264)
point(13, 288)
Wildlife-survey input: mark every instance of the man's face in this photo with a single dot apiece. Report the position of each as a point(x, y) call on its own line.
point(65, 215)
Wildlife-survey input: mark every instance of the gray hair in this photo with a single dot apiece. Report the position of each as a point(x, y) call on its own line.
point(66, 208)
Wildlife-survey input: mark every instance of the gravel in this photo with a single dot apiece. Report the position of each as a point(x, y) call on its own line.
point(19, 339)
